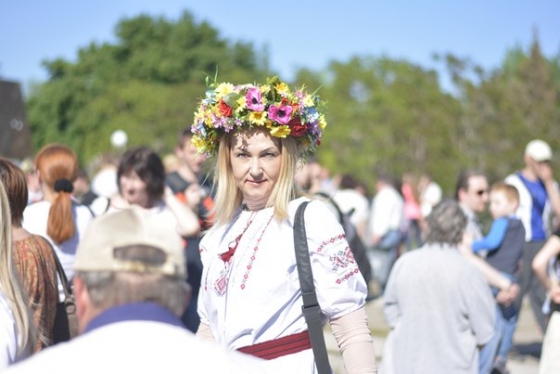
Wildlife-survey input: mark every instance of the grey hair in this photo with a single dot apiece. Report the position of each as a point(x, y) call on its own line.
point(107, 289)
point(446, 223)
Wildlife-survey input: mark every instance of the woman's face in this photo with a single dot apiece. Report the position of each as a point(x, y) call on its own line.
point(255, 161)
point(133, 189)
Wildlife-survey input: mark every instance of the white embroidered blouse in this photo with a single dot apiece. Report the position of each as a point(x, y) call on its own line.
point(255, 297)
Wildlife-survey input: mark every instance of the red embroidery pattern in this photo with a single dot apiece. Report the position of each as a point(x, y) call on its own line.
point(344, 260)
point(254, 256)
point(332, 240)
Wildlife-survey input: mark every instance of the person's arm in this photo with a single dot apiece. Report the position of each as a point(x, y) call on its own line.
point(354, 340)
point(492, 241)
point(187, 220)
point(544, 172)
point(553, 196)
point(492, 276)
point(540, 262)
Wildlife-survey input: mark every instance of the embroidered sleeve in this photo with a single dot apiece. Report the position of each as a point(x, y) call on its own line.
point(339, 285)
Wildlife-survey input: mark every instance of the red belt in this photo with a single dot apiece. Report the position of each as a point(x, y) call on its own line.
point(279, 347)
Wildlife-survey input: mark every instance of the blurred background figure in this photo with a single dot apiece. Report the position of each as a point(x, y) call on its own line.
point(130, 291)
point(82, 188)
point(17, 331)
point(430, 194)
point(193, 187)
point(308, 176)
point(352, 202)
point(84, 194)
point(141, 177)
point(503, 247)
point(386, 221)
point(104, 181)
point(471, 192)
point(35, 193)
point(58, 217)
point(171, 162)
point(32, 256)
point(412, 213)
point(437, 275)
point(539, 202)
point(547, 268)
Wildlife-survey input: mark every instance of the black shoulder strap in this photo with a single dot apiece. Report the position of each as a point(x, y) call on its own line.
point(63, 279)
point(311, 309)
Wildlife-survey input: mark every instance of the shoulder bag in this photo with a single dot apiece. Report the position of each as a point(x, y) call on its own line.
point(66, 320)
point(311, 309)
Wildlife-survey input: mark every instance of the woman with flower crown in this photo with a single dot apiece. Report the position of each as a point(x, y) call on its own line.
point(250, 291)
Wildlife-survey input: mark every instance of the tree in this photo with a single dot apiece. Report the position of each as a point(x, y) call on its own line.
point(147, 83)
point(386, 116)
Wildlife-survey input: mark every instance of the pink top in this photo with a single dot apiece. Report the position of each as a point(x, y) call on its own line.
point(411, 206)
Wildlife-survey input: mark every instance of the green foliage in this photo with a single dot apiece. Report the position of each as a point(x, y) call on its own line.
point(383, 115)
point(147, 83)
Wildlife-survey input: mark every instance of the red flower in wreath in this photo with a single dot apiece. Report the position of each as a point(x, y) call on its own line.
point(225, 110)
point(297, 128)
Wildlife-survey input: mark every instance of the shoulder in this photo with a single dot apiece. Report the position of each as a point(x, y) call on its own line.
point(514, 180)
point(316, 209)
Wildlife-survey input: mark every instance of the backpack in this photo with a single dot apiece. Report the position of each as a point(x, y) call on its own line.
point(356, 244)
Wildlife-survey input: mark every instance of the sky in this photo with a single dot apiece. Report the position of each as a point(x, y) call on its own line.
point(296, 33)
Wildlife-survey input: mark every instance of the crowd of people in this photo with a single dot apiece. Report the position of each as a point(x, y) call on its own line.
point(190, 261)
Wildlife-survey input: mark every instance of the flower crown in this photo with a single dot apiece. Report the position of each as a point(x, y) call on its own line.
point(272, 105)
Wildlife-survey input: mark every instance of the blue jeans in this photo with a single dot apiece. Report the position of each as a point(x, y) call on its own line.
point(502, 341)
point(508, 317)
point(488, 351)
point(383, 256)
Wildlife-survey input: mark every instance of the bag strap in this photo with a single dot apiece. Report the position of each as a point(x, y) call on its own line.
point(63, 279)
point(311, 309)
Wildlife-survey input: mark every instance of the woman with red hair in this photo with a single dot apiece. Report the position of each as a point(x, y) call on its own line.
point(59, 218)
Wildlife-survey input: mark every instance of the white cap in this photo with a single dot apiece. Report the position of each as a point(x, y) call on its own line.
point(104, 238)
point(538, 150)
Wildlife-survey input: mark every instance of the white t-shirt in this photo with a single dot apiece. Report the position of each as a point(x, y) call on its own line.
point(8, 337)
point(347, 200)
point(35, 218)
point(430, 196)
point(138, 347)
point(387, 212)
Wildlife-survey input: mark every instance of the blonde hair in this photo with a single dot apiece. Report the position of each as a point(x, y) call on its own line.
point(58, 162)
point(10, 284)
point(229, 197)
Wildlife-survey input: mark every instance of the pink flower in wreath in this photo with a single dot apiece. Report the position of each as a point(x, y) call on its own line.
point(254, 100)
point(280, 113)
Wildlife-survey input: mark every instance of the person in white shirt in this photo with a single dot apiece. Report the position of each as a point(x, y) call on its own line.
point(130, 290)
point(430, 194)
point(385, 226)
point(250, 297)
point(59, 218)
point(350, 200)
